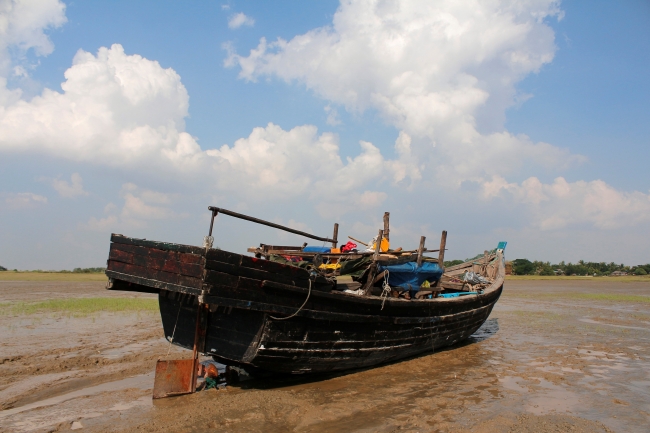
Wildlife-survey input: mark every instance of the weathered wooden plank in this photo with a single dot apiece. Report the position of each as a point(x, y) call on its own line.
point(221, 278)
point(120, 239)
point(452, 286)
point(167, 255)
point(154, 274)
point(166, 262)
point(249, 290)
point(253, 273)
point(151, 283)
point(269, 266)
point(120, 256)
point(280, 310)
point(224, 257)
point(294, 288)
point(128, 286)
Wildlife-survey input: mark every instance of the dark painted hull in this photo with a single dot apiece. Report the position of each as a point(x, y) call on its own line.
point(333, 331)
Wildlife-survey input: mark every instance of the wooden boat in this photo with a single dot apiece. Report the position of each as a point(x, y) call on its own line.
point(258, 314)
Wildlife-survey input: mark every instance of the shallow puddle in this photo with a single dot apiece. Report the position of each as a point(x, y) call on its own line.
point(143, 381)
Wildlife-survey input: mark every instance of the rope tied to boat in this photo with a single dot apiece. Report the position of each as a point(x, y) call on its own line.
point(180, 304)
point(208, 241)
point(312, 275)
point(386, 289)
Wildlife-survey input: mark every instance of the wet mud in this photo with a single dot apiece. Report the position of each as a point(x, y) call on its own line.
point(551, 357)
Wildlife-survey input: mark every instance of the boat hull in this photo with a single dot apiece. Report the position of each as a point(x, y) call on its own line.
point(250, 338)
point(249, 299)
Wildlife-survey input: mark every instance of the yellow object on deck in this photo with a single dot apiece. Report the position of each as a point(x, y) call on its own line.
point(383, 246)
point(330, 266)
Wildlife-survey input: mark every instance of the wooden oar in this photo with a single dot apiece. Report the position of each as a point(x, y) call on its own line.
point(357, 240)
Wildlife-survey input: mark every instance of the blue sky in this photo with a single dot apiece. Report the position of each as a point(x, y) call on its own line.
point(527, 123)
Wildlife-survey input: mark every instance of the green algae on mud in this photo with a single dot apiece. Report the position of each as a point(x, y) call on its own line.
point(608, 297)
point(586, 279)
point(79, 307)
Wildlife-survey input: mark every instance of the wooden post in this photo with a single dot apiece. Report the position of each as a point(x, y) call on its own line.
point(335, 237)
point(373, 267)
point(199, 340)
point(485, 261)
point(378, 245)
point(441, 253)
point(421, 250)
point(386, 226)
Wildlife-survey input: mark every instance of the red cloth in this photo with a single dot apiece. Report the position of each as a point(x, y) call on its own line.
point(347, 247)
point(293, 258)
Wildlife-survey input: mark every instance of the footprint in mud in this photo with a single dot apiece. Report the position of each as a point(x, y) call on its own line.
point(489, 328)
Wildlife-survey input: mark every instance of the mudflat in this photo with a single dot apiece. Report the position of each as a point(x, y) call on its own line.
point(555, 355)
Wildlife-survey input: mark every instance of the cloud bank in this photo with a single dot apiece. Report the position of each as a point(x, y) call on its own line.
point(443, 74)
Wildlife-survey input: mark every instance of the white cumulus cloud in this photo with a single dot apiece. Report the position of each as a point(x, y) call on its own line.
point(562, 204)
point(240, 19)
point(115, 107)
point(23, 25)
point(141, 205)
point(71, 189)
point(23, 200)
point(444, 72)
point(278, 163)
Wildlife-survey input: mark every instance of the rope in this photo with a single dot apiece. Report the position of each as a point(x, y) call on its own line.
point(386, 289)
point(207, 242)
point(180, 304)
point(303, 304)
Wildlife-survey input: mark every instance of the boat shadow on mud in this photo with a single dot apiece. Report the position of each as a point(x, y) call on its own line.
point(280, 380)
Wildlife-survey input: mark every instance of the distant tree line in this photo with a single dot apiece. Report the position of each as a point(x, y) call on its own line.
point(74, 271)
point(86, 270)
point(526, 267)
point(453, 263)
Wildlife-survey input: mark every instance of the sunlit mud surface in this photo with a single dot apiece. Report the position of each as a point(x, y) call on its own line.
point(552, 357)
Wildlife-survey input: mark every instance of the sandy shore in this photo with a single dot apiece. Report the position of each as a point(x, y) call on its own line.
point(554, 356)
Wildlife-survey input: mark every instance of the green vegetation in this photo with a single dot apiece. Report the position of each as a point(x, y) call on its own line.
point(51, 276)
point(65, 271)
point(77, 274)
point(601, 278)
point(609, 297)
point(79, 306)
point(86, 270)
point(453, 263)
point(526, 267)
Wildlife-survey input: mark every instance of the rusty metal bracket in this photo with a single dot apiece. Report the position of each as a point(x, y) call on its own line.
point(178, 376)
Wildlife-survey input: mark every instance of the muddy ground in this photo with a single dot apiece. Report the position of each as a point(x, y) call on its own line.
point(552, 357)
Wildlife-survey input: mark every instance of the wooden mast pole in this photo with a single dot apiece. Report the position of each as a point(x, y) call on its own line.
point(386, 226)
point(441, 253)
point(373, 267)
point(421, 250)
point(375, 257)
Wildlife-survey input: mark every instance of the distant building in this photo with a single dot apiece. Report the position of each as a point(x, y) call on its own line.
point(618, 274)
point(558, 272)
point(508, 268)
